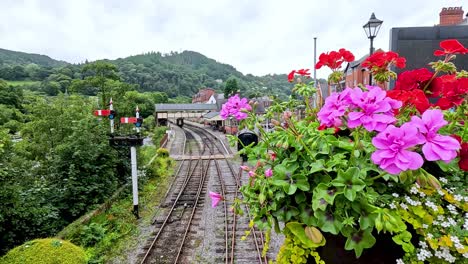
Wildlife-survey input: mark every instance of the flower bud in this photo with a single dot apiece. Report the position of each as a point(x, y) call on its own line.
point(245, 168)
point(287, 115)
point(275, 122)
point(421, 180)
point(433, 182)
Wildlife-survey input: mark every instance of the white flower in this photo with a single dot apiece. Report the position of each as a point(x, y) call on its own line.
point(393, 206)
point(444, 254)
point(422, 244)
point(458, 197)
point(395, 195)
point(429, 235)
point(414, 190)
point(440, 192)
point(412, 202)
point(404, 206)
point(399, 261)
point(431, 205)
point(424, 254)
point(425, 226)
point(451, 221)
point(465, 255)
point(442, 179)
point(452, 209)
point(456, 241)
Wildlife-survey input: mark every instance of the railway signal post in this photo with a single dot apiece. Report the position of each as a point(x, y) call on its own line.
point(131, 141)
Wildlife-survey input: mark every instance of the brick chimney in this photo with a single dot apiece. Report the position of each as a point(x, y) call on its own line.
point(451, 16)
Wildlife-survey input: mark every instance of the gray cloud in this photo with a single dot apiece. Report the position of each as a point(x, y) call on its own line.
point(258, 37)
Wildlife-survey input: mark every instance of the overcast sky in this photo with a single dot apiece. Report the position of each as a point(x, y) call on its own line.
point(257, 36)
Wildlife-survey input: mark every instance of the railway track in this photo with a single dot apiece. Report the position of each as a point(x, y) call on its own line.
point(178, 226)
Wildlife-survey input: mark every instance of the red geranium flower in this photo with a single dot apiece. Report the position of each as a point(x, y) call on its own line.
point(303, 72)
point(347, 55)
point(291, 76)
point(380, 61)
point(415, 98)
point(415, 79)
point(451, 90)
point(450, 46)
point(463, 163)
point(334, 59)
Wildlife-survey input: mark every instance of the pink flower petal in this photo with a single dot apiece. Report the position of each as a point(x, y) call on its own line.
point(215, 198)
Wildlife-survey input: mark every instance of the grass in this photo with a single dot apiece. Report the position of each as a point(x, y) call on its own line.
point(20, 83)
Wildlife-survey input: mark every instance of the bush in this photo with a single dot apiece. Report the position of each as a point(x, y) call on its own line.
point(162, 152)
point(158, 134)
point(45, 251)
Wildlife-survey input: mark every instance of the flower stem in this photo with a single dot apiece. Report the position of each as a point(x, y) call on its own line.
point(379, 176)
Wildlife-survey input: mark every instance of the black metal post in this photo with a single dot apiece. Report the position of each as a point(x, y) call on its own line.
point(370, 53)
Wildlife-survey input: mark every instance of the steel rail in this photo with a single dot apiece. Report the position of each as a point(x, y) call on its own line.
point(188, 176)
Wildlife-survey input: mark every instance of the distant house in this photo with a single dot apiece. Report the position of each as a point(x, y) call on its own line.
point(356, 74)
point(203, 96)
point(207, 96)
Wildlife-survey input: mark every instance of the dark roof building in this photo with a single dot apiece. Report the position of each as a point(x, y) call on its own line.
point(417, 44)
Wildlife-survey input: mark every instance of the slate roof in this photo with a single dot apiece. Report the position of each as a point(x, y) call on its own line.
point(210, 115)
point(184, 107)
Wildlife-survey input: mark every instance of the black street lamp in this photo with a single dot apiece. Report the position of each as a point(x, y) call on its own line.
point(372, 28)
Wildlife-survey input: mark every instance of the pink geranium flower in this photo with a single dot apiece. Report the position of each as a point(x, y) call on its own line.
point(215, 198)
point(334, 109)
point(436, 146)
point(235, 107)
point(268, 173)
point(251, 173)
point(393, 144)
point(374, 110)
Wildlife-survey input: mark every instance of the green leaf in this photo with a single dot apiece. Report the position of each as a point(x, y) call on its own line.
point(404, 239)
point(323, 195)
point(290, 189)
point(307, 215)
point(328, 222)
point(359, 241)
point(302, 183)
point(350, 181)
point(317, 166)
point(300, 197)
point(261, 198)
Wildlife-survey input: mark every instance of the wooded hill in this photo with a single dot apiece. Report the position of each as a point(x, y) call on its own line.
point(176, 74)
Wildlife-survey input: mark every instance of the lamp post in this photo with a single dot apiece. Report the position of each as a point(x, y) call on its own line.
point(372, 28)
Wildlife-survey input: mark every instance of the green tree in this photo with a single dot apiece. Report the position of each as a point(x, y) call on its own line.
point(100, 75)
point(231, 87)
point(10, 95)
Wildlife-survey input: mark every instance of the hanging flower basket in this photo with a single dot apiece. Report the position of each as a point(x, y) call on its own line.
point(372, 176)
